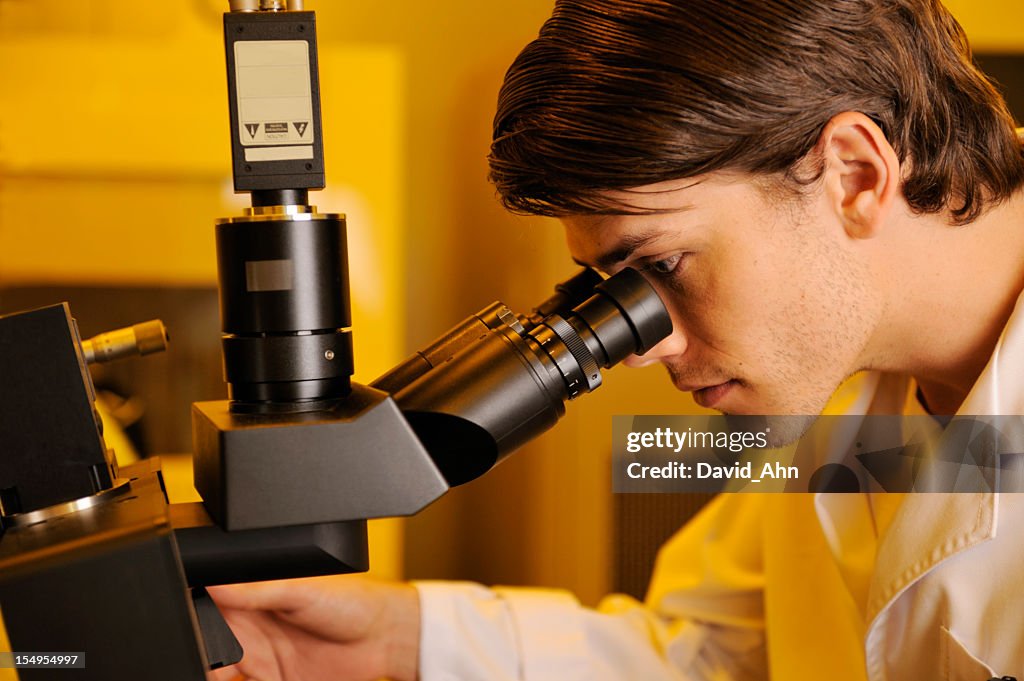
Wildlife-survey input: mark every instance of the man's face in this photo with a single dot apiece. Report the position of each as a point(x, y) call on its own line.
point(770, 299)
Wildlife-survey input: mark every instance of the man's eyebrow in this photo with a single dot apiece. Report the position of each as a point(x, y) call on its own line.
point(623, 250)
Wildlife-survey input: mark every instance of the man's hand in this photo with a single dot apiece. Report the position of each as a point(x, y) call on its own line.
point(344, 627)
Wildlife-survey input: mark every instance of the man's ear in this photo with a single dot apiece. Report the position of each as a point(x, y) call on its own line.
point(862, 173)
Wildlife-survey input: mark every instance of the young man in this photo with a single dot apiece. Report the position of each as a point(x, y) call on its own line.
point(816, 188)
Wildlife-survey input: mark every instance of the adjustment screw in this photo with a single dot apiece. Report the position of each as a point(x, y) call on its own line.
point(329, 355)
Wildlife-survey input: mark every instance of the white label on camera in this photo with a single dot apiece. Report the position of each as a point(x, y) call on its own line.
point(275, 100)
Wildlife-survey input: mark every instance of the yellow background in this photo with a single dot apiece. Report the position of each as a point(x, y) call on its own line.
point(114, 162)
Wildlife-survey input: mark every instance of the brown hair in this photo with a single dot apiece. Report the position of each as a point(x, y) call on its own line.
point(616, 94)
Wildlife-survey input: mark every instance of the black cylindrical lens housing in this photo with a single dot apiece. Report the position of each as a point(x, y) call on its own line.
point(640, 307)
point(283, 275)
point(494, 382)
point(489, 400)
point(284, 303)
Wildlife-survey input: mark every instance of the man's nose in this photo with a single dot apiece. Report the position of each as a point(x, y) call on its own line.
point(672, 345)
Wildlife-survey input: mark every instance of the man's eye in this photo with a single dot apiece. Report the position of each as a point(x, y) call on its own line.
point(665, 266)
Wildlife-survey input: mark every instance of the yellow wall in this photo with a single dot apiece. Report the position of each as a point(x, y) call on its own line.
point(993, 25)
point(115, 156)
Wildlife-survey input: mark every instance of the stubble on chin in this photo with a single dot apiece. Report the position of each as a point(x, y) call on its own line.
point(782, 430)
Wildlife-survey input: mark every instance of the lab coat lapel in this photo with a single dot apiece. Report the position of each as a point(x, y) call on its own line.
point(930, 527)
point(927, 529)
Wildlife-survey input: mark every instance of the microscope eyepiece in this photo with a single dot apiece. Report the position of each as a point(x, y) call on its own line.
point(496, 380)
point(614, 319)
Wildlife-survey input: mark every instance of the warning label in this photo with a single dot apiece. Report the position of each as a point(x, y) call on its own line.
point(275, 131)
point(275, 104)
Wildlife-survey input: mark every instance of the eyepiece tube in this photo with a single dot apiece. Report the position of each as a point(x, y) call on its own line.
point(640, 307)
point(568, 294)
point(622, 318)
point(501, 380)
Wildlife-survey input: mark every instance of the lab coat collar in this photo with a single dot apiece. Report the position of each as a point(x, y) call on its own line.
point(930, 527)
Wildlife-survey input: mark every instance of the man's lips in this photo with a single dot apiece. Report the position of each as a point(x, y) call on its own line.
point(692, 387)
point(708, 396)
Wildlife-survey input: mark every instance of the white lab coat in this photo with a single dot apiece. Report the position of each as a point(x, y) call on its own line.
point(785, 587)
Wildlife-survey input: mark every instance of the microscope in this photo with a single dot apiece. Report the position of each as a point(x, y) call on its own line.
point(94, 561)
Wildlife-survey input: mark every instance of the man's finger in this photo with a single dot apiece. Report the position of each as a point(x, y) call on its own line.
point(225, 674)
point(339, 607)
point(282, 595)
